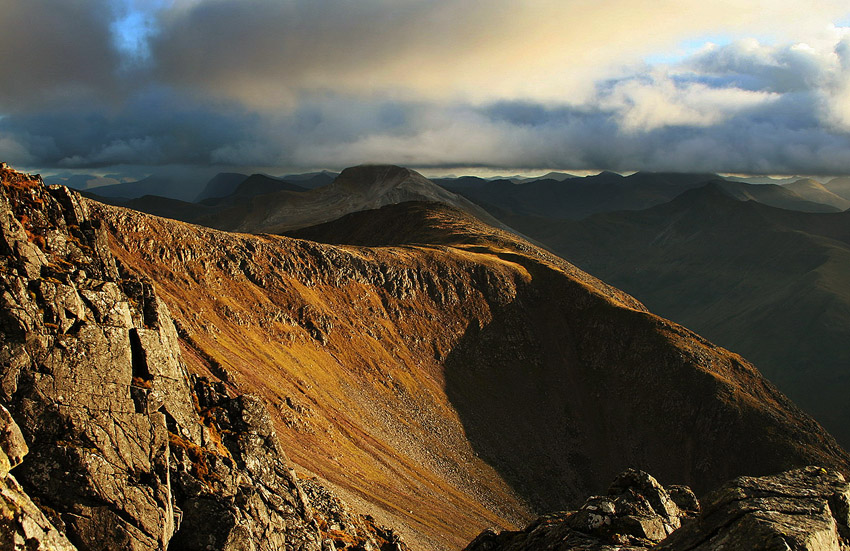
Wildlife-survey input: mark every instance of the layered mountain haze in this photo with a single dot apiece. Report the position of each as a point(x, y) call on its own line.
point(221, 185)
point(802, 196)
point(575, 198)
point(159, 185)
point(840, 187)
point(814, 191)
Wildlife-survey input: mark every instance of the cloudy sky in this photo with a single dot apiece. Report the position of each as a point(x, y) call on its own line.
point(744, 86)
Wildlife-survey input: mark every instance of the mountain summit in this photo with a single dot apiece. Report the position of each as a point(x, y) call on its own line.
point(356, 189)
point(379, 179)
point(277, 208)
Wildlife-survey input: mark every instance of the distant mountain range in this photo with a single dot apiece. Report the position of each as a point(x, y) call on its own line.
point(164, 186)
point(260, 203)
point(816, 192)
point(575, 198)
point(225, 184)
point(182, 189)
point(555, 194)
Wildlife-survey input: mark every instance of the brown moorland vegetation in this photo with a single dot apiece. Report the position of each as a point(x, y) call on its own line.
point(454, 376)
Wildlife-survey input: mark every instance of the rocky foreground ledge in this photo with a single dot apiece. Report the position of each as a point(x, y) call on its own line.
point(801, 510)
point(108, 443)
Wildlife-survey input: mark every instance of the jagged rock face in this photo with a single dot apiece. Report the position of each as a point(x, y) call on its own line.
point(637, 513)
point(800, 510)
point(12, 443)
point(68, 369)
point(456, 375)
point(22, 524)
point(125, 450)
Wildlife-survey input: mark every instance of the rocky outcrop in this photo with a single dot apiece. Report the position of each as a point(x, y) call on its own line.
point(126, 450)
point(22, 524)
point(636, 513)
point(801, 510)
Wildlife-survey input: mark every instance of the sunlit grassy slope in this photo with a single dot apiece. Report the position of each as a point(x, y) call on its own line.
point(452, 376)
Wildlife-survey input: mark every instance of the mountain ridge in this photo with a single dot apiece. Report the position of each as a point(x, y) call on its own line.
point(459, 378)
point(484, 356)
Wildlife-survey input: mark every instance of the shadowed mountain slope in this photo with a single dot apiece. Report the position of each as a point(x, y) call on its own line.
point(768, 283)
point(252, 186)
point(454, 375)
point(221, 185)
point(312, 180)
point(260, 184)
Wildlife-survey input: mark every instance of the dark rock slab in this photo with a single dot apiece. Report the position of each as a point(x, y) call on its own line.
point(804, 509)
point(637, 513)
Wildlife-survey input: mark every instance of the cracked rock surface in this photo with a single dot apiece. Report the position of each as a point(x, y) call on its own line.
point(636, 513)
point(22, 524)
point(125, 449)
point(802, 510)
point(805, 509)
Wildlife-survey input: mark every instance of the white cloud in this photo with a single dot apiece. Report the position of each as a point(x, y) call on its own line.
point(649, 102)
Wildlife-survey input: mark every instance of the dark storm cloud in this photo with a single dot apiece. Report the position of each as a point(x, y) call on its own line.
point(154, 127)
point(161, 127)
point(266, 52)
point(52, 50)
point(327, 83)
